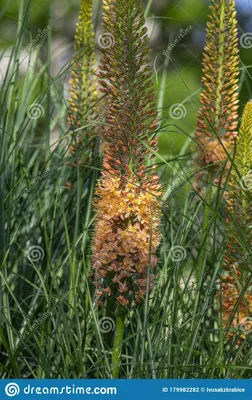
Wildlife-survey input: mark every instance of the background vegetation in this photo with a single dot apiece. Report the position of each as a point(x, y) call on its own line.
point(50, 325)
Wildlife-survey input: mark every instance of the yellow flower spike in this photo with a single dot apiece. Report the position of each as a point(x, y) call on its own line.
point(218, 117)
point(237, 261)
point(83, 81)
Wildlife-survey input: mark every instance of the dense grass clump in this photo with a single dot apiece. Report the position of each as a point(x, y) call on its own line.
point(168, 293)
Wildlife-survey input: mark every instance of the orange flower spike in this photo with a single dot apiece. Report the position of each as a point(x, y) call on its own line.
point(127, 196)
point(237, 262)
point(134, 234)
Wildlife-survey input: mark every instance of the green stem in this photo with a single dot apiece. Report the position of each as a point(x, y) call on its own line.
point(147, 9)
point(200, 266)
point(205, 232)
point(117, 347)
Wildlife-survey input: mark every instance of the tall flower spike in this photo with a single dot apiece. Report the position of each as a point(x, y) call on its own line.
point(83, 84)
point(237, 263)
point(128, 205)
point(218, 117)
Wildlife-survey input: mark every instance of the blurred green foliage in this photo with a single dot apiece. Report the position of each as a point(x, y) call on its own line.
point(171, 17)
point(186, 11)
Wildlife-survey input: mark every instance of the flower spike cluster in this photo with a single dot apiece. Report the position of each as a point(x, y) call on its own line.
point(237, 263)
point(126, 78)
point(128, 194)
point(126, 238)
point(218, 114)
point(83, 83)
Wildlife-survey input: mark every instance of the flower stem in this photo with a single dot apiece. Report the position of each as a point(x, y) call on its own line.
point(205, 230)
point(117, 347)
